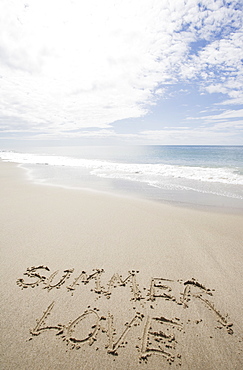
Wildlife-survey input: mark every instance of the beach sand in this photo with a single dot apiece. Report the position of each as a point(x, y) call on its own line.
point(97, 281)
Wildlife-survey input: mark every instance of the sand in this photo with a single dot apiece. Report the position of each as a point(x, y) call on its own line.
point(97, 281)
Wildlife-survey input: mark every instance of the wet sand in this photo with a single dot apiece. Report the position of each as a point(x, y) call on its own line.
point(97, 281)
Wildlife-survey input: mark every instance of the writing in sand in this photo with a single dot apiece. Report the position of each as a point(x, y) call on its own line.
point(157, 333)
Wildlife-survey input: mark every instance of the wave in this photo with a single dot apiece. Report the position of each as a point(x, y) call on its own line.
point(152, 174)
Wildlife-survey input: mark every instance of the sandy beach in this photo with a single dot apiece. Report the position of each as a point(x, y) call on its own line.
point(98, 281)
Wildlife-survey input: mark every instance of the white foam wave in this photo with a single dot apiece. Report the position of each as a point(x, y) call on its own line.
point(170, 185)
point(152, 174)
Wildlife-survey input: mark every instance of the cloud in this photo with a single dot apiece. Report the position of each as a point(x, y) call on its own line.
point(232, 125)
point(191, 136)
point(219, 67)
point(70, 65)
point(228, 114)
point(225, 116)
point(228, 122)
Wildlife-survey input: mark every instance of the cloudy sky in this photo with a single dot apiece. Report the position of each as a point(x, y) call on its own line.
point(113, 72)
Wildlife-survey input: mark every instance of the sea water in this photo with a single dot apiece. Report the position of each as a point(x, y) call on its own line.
point(200, 175)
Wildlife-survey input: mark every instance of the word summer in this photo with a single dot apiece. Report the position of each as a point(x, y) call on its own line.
point(157, 332)
point(158, 287)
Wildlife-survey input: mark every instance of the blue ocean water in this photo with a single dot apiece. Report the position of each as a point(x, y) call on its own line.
point(201, 175)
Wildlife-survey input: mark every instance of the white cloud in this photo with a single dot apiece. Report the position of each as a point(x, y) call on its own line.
point(191, 136)
point(228, 114)
point(224, 116)
point(233, 101)
point(219, 65)
point(232, 125)
point(228, 121)
point(69, 64)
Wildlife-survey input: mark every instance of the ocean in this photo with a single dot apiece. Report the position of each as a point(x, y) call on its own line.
point(192, 175)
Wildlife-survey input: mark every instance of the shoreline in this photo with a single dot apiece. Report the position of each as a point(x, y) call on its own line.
point(173, 269)
point(196, 178)
point(129, 194)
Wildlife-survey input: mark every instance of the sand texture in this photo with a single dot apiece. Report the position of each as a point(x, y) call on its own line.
point(95, 281)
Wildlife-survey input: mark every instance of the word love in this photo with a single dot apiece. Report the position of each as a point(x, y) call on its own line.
point(156, 336)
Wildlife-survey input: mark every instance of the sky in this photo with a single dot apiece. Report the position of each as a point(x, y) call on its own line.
point(111, 72)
